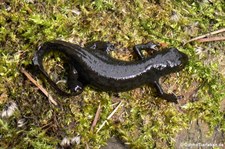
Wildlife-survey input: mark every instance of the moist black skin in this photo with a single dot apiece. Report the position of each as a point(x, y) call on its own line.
point(92, 65)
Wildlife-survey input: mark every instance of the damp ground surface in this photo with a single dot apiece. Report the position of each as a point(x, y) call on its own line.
point(141, 119)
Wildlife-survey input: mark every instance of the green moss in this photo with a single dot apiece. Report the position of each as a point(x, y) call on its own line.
point(143, 121)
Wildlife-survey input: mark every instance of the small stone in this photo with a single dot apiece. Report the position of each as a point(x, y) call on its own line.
point(9, 109)
point(75, 140)
point(65, 142)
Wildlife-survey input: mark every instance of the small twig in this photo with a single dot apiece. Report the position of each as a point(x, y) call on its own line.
point(113, 112)
point(46, 125)
point(39, 86)
point(211, 39)
point(96, 117)
point(87, 146)
point(205, 35)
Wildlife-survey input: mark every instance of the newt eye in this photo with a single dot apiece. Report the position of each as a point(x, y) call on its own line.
point(77, 88)
point(93, 47)
point(183, 60)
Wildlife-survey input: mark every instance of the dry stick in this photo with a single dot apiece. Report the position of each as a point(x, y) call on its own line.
point(205, 35)
point(39, 86)
point(96, 117)
point(113, 112)
point(211, 39)
point(87, 146)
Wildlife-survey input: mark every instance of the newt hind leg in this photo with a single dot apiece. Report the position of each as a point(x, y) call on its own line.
point(74, 85)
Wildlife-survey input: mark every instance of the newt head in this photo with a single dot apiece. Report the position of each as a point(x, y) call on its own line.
point(170, 60)
point(176, 59)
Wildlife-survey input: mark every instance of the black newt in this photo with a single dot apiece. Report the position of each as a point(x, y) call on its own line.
point(92, 65)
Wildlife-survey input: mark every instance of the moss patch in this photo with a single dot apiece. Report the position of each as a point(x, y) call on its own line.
point(143, 121)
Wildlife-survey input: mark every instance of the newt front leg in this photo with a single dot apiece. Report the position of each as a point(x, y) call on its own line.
point(161, 93)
